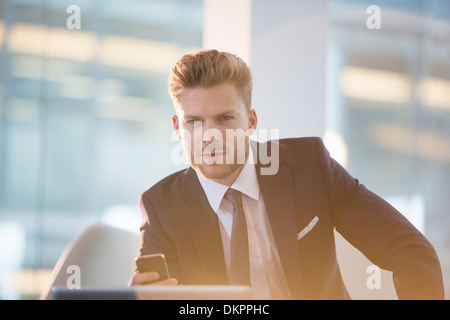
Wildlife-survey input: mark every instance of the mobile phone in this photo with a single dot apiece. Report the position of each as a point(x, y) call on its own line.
point(153, 262)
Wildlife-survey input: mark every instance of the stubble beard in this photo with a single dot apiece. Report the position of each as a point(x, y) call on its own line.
point(219, 171)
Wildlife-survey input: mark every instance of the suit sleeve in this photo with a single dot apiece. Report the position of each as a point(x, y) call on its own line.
point(381, 233)
point(155, 240)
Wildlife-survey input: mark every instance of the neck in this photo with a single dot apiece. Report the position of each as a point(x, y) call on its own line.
point(229, 179)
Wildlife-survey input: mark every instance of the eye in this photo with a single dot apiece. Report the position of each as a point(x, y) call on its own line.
point(225, 118)
point(193, 122)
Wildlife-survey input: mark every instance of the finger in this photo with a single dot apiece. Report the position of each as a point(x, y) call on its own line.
point(167, 282)
point(144, 278)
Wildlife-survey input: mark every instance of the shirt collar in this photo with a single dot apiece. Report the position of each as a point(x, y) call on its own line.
point(246, 182)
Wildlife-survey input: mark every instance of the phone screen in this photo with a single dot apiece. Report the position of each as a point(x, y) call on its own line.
point(153, 262)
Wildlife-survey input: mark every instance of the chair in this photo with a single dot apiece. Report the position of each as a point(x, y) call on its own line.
point(104, 256)
point(356, 272)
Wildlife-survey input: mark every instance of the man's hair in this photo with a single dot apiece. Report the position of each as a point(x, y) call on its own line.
point(207, 68)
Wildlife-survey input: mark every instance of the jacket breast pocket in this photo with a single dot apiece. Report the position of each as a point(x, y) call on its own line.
point(308, 228)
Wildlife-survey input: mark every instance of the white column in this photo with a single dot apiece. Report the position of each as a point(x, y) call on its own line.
point(285, 44)
point(227, 26)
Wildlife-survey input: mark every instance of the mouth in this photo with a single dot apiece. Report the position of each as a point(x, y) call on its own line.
point(213, 154)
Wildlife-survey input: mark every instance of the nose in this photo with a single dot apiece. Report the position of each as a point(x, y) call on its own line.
point(210, 133)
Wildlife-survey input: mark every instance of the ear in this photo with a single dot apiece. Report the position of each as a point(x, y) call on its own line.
point(252, 119)
point(176, 125)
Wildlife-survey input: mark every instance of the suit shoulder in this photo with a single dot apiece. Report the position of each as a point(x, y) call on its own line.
point(165, 185)
point(291, 151)
point(300, 146)
point(301, 142)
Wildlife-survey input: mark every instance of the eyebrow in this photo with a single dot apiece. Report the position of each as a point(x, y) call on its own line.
point(193, 117)
point(226, 113)
point(188, 116)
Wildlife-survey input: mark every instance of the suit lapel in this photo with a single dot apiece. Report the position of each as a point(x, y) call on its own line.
point(203, 225)
point(279, 199)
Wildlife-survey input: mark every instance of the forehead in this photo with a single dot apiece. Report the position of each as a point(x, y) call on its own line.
point(209, 101)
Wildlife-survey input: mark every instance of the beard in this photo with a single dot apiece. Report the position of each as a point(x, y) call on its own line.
point(223, 165)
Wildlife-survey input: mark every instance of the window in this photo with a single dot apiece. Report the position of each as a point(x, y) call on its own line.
point(84, 120)
point(389, 100)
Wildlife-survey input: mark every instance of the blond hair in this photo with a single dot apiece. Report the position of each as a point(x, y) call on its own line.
point(207, 68)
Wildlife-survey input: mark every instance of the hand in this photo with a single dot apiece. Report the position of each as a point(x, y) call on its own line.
point(150, 278)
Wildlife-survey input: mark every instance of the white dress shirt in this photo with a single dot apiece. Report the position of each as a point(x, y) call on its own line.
point(266, 274)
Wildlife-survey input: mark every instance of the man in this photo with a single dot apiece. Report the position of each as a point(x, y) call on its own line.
point(194, 216)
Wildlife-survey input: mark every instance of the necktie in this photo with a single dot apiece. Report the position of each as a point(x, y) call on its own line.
point(239, 265)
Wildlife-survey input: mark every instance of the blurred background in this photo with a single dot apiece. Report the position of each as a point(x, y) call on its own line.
point(85, 122)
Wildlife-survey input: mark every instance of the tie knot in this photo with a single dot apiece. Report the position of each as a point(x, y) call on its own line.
point(234, 197)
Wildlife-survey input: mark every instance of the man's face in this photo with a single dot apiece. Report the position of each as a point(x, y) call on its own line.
point(204, 117)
